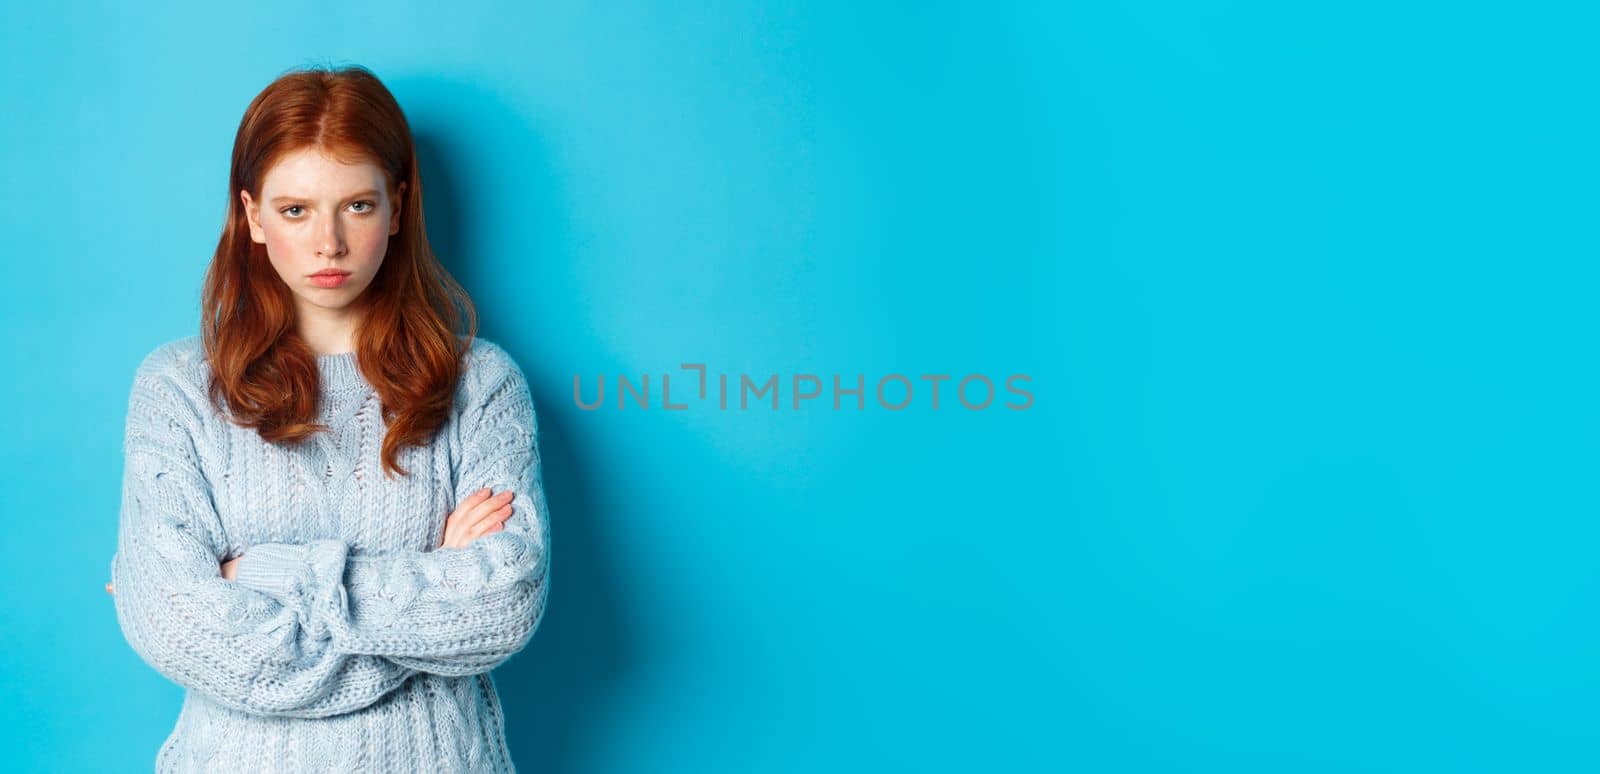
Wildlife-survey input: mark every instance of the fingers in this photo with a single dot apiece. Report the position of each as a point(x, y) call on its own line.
point(110, 589)
point(493, 520)
point(454, 523)
point(477, 515)
point(485, 514)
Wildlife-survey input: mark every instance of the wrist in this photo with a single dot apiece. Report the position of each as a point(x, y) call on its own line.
point(272, 568)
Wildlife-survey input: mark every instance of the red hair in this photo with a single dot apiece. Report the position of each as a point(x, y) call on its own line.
point(418, 322)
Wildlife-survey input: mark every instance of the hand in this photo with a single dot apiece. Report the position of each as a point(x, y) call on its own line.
point(476, 516)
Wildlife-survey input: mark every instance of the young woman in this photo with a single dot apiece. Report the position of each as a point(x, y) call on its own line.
point(333, 521)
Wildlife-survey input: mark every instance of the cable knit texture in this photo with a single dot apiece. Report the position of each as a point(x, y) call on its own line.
point(349, 640)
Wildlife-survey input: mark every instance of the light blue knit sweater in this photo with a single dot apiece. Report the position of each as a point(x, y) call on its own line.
point(349, 641)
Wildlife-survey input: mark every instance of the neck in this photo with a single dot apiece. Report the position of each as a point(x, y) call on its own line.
point(328, 331)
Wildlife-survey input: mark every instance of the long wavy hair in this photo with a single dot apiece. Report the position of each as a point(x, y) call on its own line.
point(417, 322)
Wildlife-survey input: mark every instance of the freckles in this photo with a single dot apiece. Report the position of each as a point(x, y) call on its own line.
point(372, 243)
point(279, 247)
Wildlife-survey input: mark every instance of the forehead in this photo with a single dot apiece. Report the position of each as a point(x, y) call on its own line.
point(308, 172)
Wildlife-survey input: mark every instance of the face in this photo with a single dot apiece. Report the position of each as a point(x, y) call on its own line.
point(317, 215)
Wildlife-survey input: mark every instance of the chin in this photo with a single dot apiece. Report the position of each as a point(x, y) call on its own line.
point(331, 301)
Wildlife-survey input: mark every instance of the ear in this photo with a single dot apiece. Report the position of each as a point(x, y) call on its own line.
point(252, 214)
point(394, 207)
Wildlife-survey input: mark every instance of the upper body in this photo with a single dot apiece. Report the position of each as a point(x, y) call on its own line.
point(348, 640)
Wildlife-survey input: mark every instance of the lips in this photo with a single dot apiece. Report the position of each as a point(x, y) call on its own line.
point(329, 278)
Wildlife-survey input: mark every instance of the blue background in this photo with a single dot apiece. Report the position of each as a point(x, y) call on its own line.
point(1305, 291)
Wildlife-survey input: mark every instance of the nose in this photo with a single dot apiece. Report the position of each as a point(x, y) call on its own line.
point(330, 239)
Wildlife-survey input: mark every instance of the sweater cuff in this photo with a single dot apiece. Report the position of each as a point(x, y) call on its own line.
point(272, 568)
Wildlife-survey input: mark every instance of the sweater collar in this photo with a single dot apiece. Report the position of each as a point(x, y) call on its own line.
point(339, 371)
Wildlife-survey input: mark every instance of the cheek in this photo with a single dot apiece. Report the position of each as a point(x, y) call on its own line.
point(282, 255)
point(280, 246)
point(370, 244)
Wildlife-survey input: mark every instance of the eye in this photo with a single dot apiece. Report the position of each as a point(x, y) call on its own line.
point(285, 210)
point(370, 205)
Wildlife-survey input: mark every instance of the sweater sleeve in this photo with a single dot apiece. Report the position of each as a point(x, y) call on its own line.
point(449, 611)
point(247, 650)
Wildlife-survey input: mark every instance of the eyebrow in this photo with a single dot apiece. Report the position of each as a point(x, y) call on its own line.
point(276, 200)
